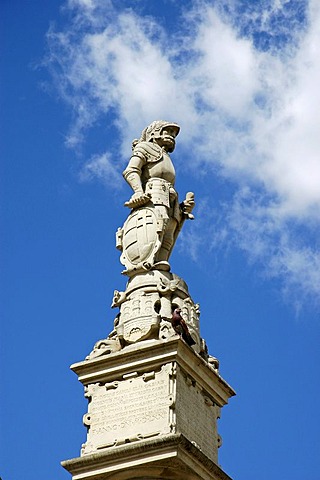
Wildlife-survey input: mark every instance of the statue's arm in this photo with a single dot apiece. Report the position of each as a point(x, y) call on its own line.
point(132, 175)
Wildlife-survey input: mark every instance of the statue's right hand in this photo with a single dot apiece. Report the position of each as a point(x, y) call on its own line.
point(137, 200)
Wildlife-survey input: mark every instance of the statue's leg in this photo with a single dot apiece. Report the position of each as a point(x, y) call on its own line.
point(167, 241)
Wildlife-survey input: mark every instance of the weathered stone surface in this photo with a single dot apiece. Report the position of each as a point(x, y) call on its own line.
point(196, 414)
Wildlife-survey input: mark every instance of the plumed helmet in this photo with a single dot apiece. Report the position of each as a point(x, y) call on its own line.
point(155, 128)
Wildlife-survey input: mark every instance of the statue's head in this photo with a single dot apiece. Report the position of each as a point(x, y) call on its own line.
point(163, 133)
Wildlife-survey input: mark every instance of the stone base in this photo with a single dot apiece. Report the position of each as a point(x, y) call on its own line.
point(171, 457)
point(152, 413)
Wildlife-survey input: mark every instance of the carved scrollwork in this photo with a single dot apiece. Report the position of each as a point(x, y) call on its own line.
point(213, 363)
point(105, 346)
point(118, 298)
point(148, 376)
point(89, 390)
point(165, 285)
point(111, 385)
point(208, 401)
point(86, 419)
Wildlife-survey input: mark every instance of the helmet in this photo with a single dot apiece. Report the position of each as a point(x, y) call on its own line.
point(155, 128)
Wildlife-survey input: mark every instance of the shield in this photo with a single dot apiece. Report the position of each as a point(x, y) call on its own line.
point(140, 240)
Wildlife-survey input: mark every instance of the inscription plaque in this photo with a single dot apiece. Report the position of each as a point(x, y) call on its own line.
point(128, 410)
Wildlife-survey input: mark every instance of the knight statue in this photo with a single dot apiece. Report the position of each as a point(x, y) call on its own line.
point(146, 240)
point(151, 229)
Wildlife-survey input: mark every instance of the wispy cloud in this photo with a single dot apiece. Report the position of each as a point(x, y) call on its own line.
point(287, 247)
point(244, 78)
point(103, 168)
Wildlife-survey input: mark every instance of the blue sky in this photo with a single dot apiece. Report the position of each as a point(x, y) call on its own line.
point(80, 80)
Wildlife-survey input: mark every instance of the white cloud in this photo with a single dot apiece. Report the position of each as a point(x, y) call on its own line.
point(102, 167)
point(280, 244)
point(256, 109)
point(227, 67)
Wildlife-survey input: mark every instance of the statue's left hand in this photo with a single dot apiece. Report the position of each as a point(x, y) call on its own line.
point(188, 204)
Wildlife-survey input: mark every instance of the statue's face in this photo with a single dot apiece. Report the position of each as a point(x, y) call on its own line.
point(167, 138)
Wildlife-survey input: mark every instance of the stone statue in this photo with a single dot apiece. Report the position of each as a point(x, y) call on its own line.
point(150, 231)
point(146, 240)
point(154, 392)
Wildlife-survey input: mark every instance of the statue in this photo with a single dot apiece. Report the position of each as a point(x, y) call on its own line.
point(151, 229)
point(141, 379)
point(146, 240)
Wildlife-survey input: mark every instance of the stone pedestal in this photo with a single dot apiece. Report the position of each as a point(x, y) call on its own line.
point(152, 414)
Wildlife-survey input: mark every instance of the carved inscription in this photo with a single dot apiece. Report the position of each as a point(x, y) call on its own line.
point(128, 410)
point(196, 416)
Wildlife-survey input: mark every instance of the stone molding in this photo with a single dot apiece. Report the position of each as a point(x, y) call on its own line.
point(171, 457)
point(150, 355)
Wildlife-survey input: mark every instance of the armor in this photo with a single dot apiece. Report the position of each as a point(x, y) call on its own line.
point(159, 190)
point(150, 152)
point(156, 216)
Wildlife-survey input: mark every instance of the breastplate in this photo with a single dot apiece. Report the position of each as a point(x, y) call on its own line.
point(162, 169)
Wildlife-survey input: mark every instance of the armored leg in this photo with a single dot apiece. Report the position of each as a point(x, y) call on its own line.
point(167, 240)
